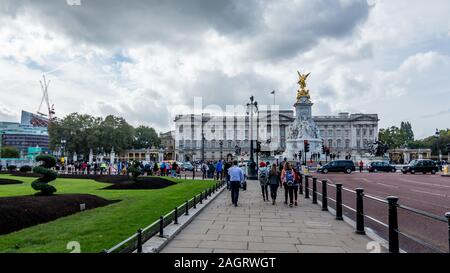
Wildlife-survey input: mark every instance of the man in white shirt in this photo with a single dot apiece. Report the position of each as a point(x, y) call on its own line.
point(236, 178)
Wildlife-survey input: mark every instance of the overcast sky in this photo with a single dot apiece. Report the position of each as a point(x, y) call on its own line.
point(144, 60)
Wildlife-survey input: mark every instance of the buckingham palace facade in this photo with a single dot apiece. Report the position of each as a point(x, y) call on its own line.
point(214, 137)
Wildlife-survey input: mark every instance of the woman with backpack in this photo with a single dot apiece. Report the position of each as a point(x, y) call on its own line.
point(263, 177)
point(288, 178)
point(274, 182)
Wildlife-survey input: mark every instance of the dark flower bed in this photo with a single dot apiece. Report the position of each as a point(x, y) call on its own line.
point(20, 212)
point(4, 181)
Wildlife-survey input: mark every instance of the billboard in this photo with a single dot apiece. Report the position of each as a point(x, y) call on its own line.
point(33, 120)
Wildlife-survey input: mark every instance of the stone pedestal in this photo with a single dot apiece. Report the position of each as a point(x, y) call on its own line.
point(303, 128)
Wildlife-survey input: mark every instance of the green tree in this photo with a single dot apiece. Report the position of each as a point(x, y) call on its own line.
point(115, 132)
point(145, 137)
point(434, 143)
point(9, 152)
point(406, 133)
point(397, 137)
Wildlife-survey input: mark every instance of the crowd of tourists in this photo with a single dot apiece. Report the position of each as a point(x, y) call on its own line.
point(164, 168)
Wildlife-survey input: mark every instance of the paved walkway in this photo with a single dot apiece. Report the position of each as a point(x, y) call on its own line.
point(255, 226)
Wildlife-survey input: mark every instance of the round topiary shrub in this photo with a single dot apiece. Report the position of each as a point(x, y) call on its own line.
point(41, 184)
point(11, 168)
point(135, 170)
point(25, 169)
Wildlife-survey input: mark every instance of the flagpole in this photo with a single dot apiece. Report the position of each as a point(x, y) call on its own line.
point(273, 92)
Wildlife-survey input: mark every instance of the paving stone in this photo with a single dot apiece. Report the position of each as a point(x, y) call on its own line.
point(272, 247)
point(186, 250)
point(293, 229)
point(236, 238)
point(243, 227)
point(280, 240)
point(319, 249)
point(228, 232)
point(223, 245)
point(265, 233)
point(197, 237)
point(184, 243)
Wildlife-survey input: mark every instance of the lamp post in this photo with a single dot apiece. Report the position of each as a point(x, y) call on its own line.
point(438, 151)
point(252, 108)
point(221, 151)
point(203, 142)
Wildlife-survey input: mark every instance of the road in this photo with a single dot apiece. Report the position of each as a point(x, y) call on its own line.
point(429, 193)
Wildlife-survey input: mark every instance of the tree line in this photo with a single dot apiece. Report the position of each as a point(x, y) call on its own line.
point(403, 137)
point(82, 132)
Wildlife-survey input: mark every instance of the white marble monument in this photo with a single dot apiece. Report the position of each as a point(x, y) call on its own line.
point(303, 128)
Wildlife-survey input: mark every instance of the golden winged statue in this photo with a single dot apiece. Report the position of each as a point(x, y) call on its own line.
point(303, 91)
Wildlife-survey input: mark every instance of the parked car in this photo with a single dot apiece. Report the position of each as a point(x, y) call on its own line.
point(379, 166)
point(187, 166)
point(421, 166)
point(345, 166)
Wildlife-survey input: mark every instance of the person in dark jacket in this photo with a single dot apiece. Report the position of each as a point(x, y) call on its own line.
point(274, 182)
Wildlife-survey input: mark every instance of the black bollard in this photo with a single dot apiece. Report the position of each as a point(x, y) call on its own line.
point(139, 241)
point(324, 195)
point(187, 208)
point(201, 197)
point(175, 220)
point(394, 246)
point(314, 190)
point(448, 220)
point(339, 202)
point(195, 202)
point(161, 226)
point(360, 211)
point(301, 185)
point(306, 187)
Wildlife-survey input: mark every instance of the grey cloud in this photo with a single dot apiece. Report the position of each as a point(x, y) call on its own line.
point(121, 23)
point(215, 87)
point(116, 23)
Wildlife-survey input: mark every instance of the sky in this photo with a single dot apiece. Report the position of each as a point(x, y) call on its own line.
point(148, 60)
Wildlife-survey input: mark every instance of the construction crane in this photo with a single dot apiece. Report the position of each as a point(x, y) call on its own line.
point(50, 109)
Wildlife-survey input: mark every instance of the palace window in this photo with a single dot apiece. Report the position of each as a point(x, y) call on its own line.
point(330, 143)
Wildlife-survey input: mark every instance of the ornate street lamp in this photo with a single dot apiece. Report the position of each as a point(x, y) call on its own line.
point(252, 108)
point(221, 151)
point(438, 150)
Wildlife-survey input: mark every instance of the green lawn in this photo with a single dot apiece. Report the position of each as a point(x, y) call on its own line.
point(99, 228)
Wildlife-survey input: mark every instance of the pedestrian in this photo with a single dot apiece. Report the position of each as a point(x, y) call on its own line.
point(219, 169)
point(361, 165)
point(162, 167)
point(243, 167)
point(263, 177)
point(288, 180)
point(204, 168)
point(274, 182)
point(174, 169)
point(236, 178)
point(227, 177)
point(297, 182)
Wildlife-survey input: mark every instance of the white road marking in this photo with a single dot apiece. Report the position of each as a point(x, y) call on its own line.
point(430, 193)
point(389, 186)
point(422, 183)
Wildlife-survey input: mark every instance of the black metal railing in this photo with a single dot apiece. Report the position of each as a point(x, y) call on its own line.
point(392, 206)
point(135, 242)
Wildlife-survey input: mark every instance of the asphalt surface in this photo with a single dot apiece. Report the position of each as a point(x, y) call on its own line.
point(429, 193)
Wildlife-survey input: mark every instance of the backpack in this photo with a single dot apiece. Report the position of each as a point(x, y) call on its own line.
point(289, 178)
point(263, 176)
